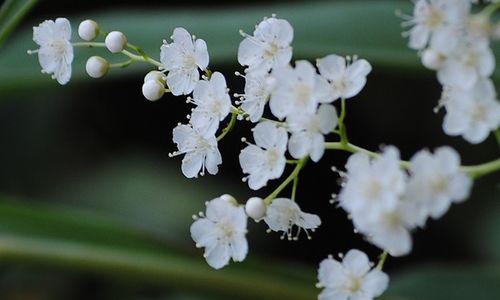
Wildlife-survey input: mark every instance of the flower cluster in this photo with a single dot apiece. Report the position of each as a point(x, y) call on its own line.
point(386, 203)
point(456, 44)
point(291, 106)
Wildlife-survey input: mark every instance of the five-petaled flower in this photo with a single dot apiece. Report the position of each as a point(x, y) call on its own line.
point(351, 279)
point(265, 160)
point(181, 59)
point(56, 51)
point(221, 231)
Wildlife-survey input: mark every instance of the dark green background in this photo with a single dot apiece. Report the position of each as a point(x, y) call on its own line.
point(87, 162)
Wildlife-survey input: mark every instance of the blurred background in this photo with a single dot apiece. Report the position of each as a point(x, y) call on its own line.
point(92, 207)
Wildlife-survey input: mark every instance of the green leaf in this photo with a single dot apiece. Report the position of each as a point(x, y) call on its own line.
point(44, 235)
point(369, 29)
point(11, 13)
point(446, 282)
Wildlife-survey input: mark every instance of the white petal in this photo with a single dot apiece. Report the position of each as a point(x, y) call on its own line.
point(331, 273)
point(327, 116)
point(298, 145)
point(212, 161)
point(419, 36)
point(64, 28)
point(251, 158)
point(332, 67)
point(239, 248)
point(191, 164)
point(202, 232)
point(356, 262)
point(257, 180)
point(249, 52)
point(308, 221)
point(317, 147)
point(333, 294)
point(219, 256)
point(182, 37)
point(201, 54)
point(375, 283)
point(267, 135)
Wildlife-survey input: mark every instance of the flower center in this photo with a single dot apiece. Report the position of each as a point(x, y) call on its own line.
point(478, 113)
point(272, 157)
point(59, 46)
point(354, 285)
point(434, 19)
point(439, 185)
point(190, 61)
point(373, 189)
point(303, 93)
point(227, 231)
point(271, 50)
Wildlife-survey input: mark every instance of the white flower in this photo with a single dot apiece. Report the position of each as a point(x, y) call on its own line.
point(346, 80)
point(200, 148)
point(463, 67)
point(222, 232)
point(438, 23)
point(283, 214)
point(212, 100)
point(351, 279)
point(56, 52)
point(258, 85)
point(269, 47)
point(372, 186)
point(390, 229)
point(298, 90)
point(182, 58)
point(437, 180)
point(472, 113)
point(308, 130)
point(266, 160)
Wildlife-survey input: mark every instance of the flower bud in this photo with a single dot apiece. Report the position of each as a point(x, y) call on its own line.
point(97, 67)
point(156, 75)
point(115, 41)
point(153, 90)
point(88, 30)
point(255, 208)
point(432, 59)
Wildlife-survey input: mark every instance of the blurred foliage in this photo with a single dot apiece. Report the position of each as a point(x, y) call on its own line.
point(11, 13)
point(99, 201)
point(369, 29)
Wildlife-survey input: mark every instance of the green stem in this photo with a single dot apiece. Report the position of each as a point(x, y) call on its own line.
point(229, 126)
point(294, 187)
point(474, 171)
point(133, 57)
point(342, 128)
point(289, 179)
point(480, 170)
point(122, 64)
point(382, 259)
point(151, 267)
point(490, 9)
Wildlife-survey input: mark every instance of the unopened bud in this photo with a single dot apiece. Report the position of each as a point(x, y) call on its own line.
point(156, 75)
point(97, 67)
point(153, 90)
point(88, 30)
point(115, 41)
point(255, 208)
